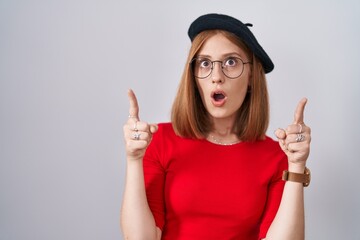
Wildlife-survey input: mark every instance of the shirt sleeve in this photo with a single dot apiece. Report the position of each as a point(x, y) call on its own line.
point(274, 196)
point(154, 176)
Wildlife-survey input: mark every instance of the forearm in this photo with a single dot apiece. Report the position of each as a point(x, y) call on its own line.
point(137, 221)
point(289, 222)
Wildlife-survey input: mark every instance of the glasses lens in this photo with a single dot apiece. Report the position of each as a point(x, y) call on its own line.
point(202, 67)
point(232, 67)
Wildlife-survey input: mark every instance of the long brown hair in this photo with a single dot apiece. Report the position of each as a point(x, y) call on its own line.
point(189, 116)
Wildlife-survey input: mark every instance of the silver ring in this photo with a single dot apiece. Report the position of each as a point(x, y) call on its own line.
point(300, 138)
point(136, 136)
point(131, 116)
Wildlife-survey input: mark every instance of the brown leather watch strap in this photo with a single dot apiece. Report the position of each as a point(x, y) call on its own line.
point(303, 178)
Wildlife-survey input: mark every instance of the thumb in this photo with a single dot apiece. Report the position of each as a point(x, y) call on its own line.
point(153, 128)
point(280, 133)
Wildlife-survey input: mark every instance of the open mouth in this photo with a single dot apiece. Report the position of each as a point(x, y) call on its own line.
point(218, 96)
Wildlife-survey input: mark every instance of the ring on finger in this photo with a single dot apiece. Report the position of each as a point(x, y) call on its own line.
point(136, 136)
point(300, 137)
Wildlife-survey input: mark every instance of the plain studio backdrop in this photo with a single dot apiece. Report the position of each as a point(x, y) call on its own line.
point(65, 67)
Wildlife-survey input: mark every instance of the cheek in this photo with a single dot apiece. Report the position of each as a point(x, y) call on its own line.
point(239, 92)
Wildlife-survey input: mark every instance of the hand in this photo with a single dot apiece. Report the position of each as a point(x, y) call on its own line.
point(137, 134)
point(295, 139)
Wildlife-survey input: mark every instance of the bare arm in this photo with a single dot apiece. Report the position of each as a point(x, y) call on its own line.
point(137, 220)
point(289, 222)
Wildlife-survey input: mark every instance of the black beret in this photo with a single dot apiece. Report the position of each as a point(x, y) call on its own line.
point(233, 25)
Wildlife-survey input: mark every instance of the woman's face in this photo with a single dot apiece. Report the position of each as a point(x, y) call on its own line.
point(222, 96)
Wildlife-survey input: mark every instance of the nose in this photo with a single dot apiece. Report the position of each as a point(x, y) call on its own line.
point(217, 75)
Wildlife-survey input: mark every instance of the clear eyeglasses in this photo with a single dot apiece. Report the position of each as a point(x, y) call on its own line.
point(232, 67)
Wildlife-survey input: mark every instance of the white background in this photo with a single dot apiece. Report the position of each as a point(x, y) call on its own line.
point(65, 67)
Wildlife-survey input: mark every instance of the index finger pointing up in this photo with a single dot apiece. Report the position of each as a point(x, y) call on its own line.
point(134, 107)
point(299, 112)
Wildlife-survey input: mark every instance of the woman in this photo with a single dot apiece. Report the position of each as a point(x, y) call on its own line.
point(212, 173)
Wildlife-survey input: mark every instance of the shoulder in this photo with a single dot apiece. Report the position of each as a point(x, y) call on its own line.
point(162, 144)
point(165, 129)
point(265, 145)
point(273, 149)
point(165, 126)
point(270, 143)
point(165, 134)
point(270, 149)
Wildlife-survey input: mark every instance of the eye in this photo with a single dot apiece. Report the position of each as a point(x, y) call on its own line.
point(231, 62)
point(204, 63)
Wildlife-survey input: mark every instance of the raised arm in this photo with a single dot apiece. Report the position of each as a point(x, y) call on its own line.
point(289, 222)
point(137, 221)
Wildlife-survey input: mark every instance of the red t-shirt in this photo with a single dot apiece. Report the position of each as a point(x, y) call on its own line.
point(200, 190)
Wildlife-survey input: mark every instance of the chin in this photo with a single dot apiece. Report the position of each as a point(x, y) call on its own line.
point(222, 115)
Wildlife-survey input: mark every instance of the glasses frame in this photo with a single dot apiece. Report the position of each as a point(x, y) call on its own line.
point(222, 66)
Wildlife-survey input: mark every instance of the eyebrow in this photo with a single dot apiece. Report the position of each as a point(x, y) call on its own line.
point(222, 56)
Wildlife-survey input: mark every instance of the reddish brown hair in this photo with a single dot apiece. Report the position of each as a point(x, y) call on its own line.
point(189, 116)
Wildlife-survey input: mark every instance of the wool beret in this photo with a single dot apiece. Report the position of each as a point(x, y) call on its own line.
point(224, 22)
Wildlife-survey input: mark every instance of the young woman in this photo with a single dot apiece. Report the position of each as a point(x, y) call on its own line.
point(212, 173)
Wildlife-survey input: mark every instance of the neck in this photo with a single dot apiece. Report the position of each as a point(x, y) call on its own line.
point(222, 133)
point(222, 126)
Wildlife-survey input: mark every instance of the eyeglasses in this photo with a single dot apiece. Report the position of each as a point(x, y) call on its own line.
point(232, 67)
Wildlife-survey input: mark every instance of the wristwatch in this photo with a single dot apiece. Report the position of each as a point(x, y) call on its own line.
point(298, 177)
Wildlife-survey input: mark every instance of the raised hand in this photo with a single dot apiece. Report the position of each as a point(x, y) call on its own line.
point(137, 134)
point(295, 139)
